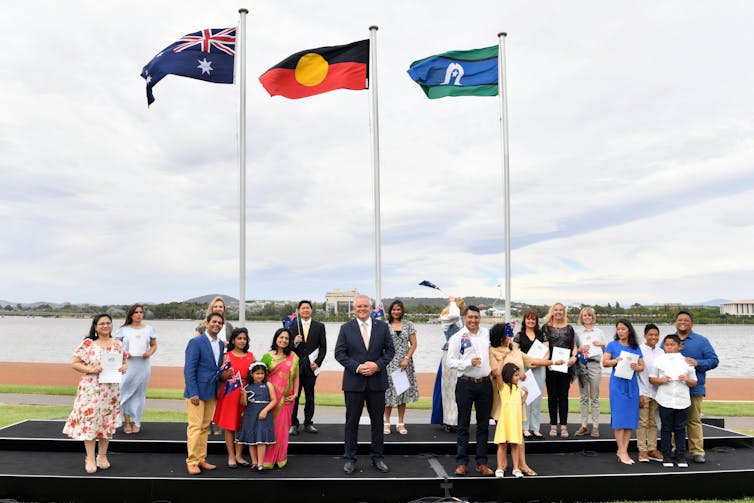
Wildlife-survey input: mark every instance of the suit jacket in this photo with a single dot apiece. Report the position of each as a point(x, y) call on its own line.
point(315, 340)
point(200, 368)
point(351, 352)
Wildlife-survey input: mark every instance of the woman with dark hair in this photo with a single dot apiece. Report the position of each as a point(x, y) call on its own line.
point(404, 340)
point(96, 408)
point(283, 375)
point(140, 343)
point(524, 340)
point(228, 410)
point(560, 335)
point(624, 393)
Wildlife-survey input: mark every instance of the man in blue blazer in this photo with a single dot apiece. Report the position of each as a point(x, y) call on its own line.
point(204, 357)
point(364, 348)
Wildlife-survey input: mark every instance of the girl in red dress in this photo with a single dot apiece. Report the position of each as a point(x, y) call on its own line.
point(229, 409)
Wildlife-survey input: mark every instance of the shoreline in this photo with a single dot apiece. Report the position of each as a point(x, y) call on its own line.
point(329, 381)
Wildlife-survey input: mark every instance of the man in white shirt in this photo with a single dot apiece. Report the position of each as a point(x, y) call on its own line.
point(646, 435)
point(469, 354)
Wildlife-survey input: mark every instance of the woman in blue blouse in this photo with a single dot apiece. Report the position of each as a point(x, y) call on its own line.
point(624, 393)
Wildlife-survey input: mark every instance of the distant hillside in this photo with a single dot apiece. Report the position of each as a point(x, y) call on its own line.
point(205, 299)
point(713, 302)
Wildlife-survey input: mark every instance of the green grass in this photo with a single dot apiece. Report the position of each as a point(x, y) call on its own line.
point(10, 414)
point(710, 408)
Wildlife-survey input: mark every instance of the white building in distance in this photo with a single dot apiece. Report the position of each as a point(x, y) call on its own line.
point(339, 302)
point(738, 308)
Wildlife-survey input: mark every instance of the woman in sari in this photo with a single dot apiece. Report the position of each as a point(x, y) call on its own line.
point(283, 366)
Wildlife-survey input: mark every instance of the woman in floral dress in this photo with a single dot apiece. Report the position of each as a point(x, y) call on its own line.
point(404, 340)
point(97, 405)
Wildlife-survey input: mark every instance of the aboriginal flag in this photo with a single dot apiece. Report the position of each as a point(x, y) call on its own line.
point(320, 70)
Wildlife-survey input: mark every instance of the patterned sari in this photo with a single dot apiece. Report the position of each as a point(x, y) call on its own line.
point(282, 373)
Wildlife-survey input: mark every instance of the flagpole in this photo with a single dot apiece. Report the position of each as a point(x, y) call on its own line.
point(375, 163)
point(503, 92)
point(241, 52)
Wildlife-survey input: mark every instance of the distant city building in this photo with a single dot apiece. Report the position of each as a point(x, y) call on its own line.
point(339, 302)
point(738, 308)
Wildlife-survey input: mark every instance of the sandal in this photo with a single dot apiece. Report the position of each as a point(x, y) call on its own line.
point(135, 428)
point(386, 429)
point(528, 471)
point(401, 428)
point(553, 430)
point(564, 432)
point(127, 428)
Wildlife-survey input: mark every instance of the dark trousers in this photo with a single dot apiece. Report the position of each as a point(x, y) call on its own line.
point(557, 384)
point(306, 381)
point(355, 400)
point(673, 423)
point(479, 395)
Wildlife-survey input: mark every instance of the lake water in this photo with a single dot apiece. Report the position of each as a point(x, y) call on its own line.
point(53, 340)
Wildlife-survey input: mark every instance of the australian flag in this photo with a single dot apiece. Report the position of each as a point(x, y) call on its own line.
point(205, 55)
point(233, 383)
point(378, 313)
point(429, 284)
point(289, 320)
point(225, 366)
point(466, 343)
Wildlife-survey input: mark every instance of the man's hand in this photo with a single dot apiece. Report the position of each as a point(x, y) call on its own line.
point(368, 368)
point(476, 362)
point(692, 361)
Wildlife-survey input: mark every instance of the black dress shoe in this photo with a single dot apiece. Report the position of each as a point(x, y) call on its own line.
point(293, 430)
point(381, 466)
point(349, 467)
point(309, 428)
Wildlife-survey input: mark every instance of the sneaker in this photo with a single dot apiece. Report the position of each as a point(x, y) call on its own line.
point(667, 461)
point(683, 464)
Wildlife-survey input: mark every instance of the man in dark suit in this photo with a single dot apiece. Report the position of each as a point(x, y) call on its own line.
point(364, 348)
point(204, 356)
point(308, 336)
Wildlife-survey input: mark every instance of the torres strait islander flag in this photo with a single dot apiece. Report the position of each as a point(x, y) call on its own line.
point(317, 71)
point(457, 73)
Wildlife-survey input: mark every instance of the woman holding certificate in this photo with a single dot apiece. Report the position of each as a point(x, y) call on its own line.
point(140, 343)
point(624, 355)
point(591, 343)
point(404, 340)
point(562, 339)
point(101, 360)
point(530, 337)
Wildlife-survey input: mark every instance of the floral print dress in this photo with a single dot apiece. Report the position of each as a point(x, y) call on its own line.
point(97, 406)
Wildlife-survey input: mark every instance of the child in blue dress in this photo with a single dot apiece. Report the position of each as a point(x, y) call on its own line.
point(257, 430)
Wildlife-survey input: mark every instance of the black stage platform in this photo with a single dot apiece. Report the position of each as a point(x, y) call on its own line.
point(39, 463)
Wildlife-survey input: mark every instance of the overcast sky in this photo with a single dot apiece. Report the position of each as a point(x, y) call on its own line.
point(631, 155)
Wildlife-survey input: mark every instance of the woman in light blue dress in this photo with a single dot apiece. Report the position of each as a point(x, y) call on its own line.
point(140, 343)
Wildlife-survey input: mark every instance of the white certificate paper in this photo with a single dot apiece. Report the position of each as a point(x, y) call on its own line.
point(400, 381)
point(531, 386)
point(560, 354)
point(537, 350)
point(675, 366)
point(138, 344)
point(313, 356)
point(110, 363)
point(623, 369)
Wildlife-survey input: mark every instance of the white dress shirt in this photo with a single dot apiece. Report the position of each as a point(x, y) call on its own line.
point(480, 348)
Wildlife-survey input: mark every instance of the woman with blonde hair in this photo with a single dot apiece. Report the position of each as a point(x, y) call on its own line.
point(216, 305)
point(591, 344)
point(444, 408)
point(560, 335)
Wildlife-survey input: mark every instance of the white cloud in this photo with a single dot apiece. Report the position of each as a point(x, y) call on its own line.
point(631, 155)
